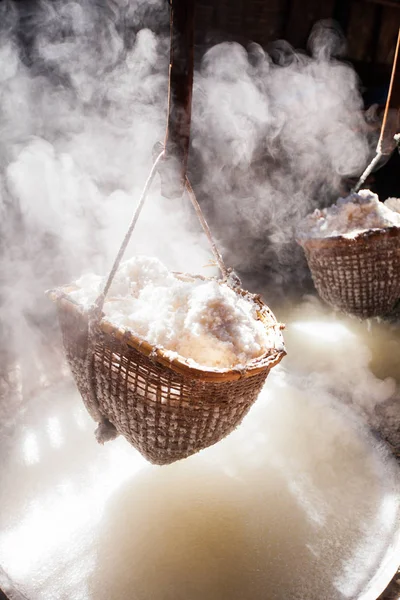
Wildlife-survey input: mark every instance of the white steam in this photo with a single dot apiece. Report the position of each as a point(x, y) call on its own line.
point(352, 361)
point(280, 139)
point(83, 100)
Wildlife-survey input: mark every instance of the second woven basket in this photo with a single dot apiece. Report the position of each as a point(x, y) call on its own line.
point(359, 275)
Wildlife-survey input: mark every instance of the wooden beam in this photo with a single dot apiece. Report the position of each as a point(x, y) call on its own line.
point(177, 138)
point(392, 3)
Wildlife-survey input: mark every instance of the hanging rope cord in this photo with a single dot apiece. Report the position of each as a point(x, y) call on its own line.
point(217, 255)
point(98, 307)
point(378, 151)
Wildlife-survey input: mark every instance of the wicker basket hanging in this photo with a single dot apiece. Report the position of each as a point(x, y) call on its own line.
point(358, 275)
point(166, 408)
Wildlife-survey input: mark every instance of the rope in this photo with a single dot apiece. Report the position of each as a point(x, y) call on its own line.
point(394, 68)
point(378, 151)
point(100, 300)
point(206, 229)
point(368, 171)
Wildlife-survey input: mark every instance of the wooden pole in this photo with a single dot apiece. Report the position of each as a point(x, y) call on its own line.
point(173, 169)
point(385, 114)
point(379, 152)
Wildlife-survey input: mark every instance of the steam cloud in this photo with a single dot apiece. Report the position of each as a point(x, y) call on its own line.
point(83, 100)
point(276, 139)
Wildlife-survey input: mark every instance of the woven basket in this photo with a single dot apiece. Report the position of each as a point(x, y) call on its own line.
point(166, 408)
point(358, 275)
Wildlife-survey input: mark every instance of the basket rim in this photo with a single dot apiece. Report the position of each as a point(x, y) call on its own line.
point(180, 364)
point(365, 235)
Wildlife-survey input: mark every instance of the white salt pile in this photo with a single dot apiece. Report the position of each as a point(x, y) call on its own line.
point(350, 216)
point(205, 322)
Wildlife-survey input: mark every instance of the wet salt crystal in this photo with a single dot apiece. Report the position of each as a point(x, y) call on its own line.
point(393, 204)
point(204, 321)
point(351, 215)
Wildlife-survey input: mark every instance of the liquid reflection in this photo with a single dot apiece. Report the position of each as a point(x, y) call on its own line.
point(54, 432)
point(325, 331)
point(30, 448)
point(280, 507)
point(299, 502)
